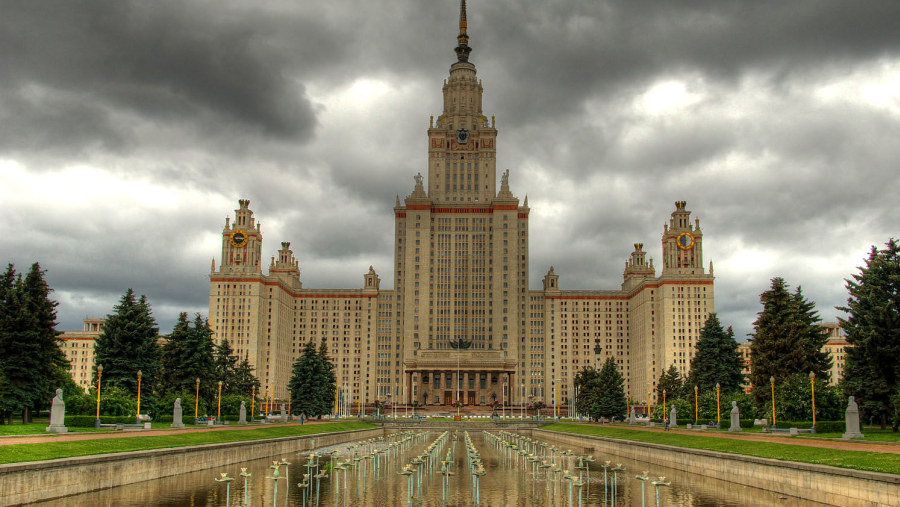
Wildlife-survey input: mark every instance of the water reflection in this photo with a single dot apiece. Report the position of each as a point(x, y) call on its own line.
point(369, 474)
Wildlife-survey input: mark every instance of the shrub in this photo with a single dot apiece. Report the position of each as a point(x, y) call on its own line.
point(87, 421)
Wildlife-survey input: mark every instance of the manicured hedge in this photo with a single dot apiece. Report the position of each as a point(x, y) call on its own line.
point(87, 421)
point(821, 426)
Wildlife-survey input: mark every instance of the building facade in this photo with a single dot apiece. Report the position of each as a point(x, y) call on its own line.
point(78, 346)
point(462, 321)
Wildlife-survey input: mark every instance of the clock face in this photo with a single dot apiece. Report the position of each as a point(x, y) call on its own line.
point(462, 136)
point(238, 238)
point(685, 240)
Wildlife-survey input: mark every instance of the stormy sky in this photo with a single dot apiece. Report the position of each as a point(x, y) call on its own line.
point(129, 130)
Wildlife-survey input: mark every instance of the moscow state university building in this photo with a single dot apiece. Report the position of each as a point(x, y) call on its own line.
point(462, 320)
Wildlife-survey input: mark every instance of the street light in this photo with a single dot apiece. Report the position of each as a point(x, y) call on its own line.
point(649, 390)
point(664, 405)
point(252, 401)
point(696, 409)
point(718, 409)
point(139, 397)
point(99, 376)
point(197, 401)
point(772, 382)
point(219, 408)
point(812, 383)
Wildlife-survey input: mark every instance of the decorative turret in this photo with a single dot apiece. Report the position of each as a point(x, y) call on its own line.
point(682, 243)
point(241, 242)
point(637, 268)
point(551, 281)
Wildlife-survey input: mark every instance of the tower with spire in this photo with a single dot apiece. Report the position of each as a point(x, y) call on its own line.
point(461, 323)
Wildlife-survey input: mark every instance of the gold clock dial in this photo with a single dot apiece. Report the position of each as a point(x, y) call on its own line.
point(238, 238)
point(685, 240)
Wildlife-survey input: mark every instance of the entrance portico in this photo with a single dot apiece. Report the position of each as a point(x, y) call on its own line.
point(473, 377)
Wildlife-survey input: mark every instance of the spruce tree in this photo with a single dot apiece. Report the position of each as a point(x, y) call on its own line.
point(787, 340)
point(588, 383)
point(20, 361)
point(717, 359)
point(244, 381)
point(328, 380)
point(187, 356)
point(303, 383)
point(128, 344)
point(54, 367)
point(872, 370)
point(226, 366)
point(611, 399)
point(671, 382)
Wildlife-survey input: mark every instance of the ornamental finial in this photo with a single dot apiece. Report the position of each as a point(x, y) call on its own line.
point(463, 49)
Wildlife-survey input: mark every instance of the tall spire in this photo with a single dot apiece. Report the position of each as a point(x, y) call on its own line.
point(463, 49)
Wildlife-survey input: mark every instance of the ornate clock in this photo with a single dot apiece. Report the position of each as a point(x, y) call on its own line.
point(239, 238)
point(462, 136)
point(685, 240)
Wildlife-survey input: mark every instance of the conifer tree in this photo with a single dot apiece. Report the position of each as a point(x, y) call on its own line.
point(872, 368)
point(187, 356)
point(128, 344)
point(54, 367)
point(328, 384)
point(21, 350)
point(717, 359)
point(611, 399)
point(226, 366)
point(787, 340)
point(588, 383)
point(304, 383)
point(671, 382)
point(244, 381)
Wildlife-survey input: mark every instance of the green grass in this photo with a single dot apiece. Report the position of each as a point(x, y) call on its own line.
point(871, 435)
point(857, 460)
point(52, 450)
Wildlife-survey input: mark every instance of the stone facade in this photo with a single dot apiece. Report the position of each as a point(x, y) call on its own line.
point(462, 322)
point(78, 346)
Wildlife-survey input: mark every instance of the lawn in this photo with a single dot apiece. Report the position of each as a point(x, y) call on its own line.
point(52, 450)
point(857, 460)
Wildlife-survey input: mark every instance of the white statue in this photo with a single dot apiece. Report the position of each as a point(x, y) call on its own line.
point(418, 178)
point(504, 179)
point(58, 414)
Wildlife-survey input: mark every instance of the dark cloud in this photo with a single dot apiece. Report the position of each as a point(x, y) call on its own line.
point(317, 113)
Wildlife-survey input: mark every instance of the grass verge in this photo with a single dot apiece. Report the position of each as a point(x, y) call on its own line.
point(52, 450)
point(856, 460)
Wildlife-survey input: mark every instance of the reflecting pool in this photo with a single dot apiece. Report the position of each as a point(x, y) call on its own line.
point(435, 468)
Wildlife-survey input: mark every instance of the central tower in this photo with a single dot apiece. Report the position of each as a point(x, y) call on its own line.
point(461, 254)
point(462, 143)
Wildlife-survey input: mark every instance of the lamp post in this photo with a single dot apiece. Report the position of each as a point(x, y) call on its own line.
point(99, 376)
point(718, 409)
point(219, 407)
point(252, 401)
point(812, 383)
point(772, 383)
point(358, 398)
point(139, 397)
point(197, 401)
point(649, 396)
point(696, 406)
point(664, 404)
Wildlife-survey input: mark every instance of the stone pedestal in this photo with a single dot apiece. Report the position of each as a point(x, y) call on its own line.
point(673, 418)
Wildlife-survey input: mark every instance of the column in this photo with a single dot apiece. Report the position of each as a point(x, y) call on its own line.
point(511, 387)
point(408, 387)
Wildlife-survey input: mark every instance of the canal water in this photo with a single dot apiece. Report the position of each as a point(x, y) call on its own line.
point(373, 477)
